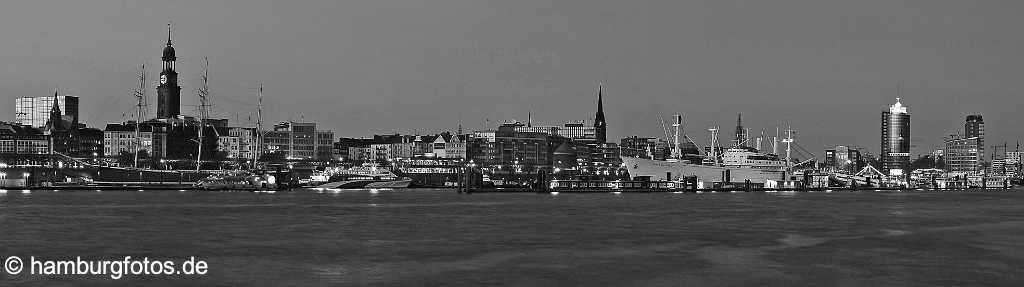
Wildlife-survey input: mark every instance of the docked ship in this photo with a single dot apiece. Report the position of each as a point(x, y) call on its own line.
point(238, 181)
point(363, 176)
point(736, 165)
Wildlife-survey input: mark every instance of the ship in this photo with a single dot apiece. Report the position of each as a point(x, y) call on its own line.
point(242, 180)
point(367, 175)
point(739, 164)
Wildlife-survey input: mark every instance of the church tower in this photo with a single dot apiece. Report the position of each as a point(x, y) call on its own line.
point(55, 122)
point(600, 126)
point(168, 92)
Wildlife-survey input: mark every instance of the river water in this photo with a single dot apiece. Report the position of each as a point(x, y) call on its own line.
point(439, 237)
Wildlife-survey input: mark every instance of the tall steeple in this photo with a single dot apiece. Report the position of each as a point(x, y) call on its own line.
point(168, 92)
point(55, 120)
point(740, 133)
point(600, 126)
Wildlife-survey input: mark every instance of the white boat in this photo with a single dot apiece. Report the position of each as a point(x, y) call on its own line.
point(363, 176)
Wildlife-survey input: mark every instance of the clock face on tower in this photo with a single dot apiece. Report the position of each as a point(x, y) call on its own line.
point(163, 79)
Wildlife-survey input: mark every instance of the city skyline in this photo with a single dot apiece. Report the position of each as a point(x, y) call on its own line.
point(500, 81)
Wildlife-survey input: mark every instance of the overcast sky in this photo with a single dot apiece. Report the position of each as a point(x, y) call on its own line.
point(828, 68)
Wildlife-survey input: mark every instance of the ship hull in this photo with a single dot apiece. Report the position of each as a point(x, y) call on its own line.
point(659, 170)
point(400, 183)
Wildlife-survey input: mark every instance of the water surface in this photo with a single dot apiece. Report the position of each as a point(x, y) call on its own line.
point(439, 237)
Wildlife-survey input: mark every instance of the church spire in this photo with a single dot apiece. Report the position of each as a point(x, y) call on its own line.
point(168, 33)
point(740, 133)
point(600, 126)
point(600, 103)
point(54, 122)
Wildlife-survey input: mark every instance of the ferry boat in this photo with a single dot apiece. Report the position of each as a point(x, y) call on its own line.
point(736, 165)
point(363, 176)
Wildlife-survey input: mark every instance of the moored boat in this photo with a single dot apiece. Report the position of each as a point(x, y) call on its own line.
point(363, 176)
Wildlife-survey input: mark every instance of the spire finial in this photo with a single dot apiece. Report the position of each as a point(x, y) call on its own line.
point(168, 33)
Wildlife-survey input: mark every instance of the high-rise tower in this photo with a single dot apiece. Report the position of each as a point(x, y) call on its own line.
point(600, 126)
point(895, 138)
point(975, 127)
point(168, 92)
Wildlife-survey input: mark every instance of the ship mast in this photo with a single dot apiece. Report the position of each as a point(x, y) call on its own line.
point(140, 95)
point(203, 93)
point(714, 145)
point(788, 141)
point(775, 142)
point(259, 128)
point(676, 149)
point(664, 128)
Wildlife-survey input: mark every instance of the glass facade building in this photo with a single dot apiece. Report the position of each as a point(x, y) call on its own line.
point(974, 127)
point(962, 156)
point(895, 139)
point(35, 111)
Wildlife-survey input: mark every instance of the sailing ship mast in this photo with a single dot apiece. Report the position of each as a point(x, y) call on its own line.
point(140, 95)
point(203, 93)
point(259, 128)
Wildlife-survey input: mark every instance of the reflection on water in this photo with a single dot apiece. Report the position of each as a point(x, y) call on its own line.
point(434, 237)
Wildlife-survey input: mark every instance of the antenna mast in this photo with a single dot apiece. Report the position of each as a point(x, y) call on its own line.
point(203, 93)
point(140, 95)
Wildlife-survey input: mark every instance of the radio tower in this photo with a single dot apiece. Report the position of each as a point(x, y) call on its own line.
point(140, 95)
point(204, 93)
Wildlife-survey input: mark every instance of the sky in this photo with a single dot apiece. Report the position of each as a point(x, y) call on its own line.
point(825, 68)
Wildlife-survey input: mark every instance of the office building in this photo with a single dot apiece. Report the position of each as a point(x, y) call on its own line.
point(843, 159)
point(299, 141)
point(962, 156)
point(974, 127)
point(895, 139)
point(579, 131)
point(35, 111)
